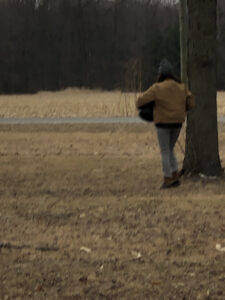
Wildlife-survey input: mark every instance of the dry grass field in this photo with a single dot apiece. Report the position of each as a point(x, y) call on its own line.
point(69, 103)
point(220, 103)
point(82, 217)
point(76, 103)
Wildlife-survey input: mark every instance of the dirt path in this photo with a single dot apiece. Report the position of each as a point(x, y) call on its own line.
point(82, 218)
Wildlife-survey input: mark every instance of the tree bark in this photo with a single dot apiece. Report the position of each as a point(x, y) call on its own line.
point(202, 154)
point(183, 16)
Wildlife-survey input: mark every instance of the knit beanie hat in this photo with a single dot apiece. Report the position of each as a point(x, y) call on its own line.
point(165, 67)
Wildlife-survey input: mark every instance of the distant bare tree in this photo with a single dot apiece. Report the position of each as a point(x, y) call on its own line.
point(53, 44)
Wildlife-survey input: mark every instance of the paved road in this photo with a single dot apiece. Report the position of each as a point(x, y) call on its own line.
point(58, 121)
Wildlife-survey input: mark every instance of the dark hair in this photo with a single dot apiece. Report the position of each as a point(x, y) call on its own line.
point(162, 77)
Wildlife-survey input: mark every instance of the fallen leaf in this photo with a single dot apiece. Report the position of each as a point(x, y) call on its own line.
point(220, 248)
point(85, 249)
point(137, 255)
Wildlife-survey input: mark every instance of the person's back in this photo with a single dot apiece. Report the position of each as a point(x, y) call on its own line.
point(171, 102)
point(171, 99)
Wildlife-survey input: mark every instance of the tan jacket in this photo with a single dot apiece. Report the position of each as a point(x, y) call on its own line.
point(172, 100)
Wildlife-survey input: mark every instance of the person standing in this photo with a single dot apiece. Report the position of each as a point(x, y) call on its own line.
point(171, 100)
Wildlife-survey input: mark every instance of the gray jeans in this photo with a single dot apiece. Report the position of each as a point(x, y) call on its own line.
point(167, 139)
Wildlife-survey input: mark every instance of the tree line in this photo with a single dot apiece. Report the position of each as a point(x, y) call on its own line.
point(54, 44)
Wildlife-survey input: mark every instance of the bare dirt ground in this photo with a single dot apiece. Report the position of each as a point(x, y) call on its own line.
point(82, 218)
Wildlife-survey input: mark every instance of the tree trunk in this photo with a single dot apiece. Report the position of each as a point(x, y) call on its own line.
point(183, 15)
point(202, 154)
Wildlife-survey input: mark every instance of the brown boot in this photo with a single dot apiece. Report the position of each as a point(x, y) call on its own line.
point(169, 182)
point(176, 175)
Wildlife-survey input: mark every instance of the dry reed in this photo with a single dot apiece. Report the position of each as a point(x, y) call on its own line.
point(75, 102)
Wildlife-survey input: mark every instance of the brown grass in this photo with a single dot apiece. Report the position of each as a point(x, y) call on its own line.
point(98, 187)
point(221, 103)
point(76, 103)
point(69, 103)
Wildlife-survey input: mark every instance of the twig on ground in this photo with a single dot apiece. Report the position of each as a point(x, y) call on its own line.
point(19, 247)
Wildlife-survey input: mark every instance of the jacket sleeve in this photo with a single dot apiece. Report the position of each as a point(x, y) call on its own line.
point(190, 101)
point(147, 97)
